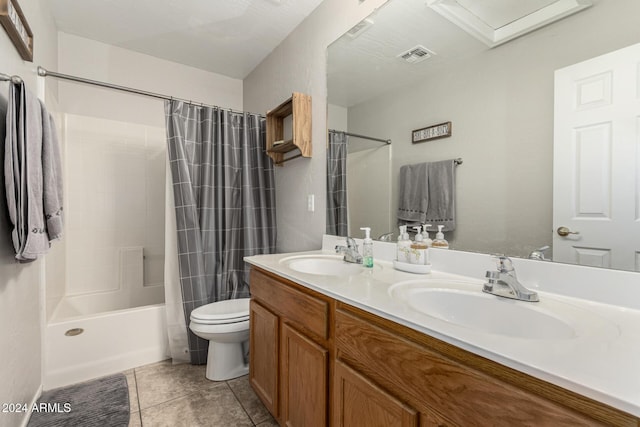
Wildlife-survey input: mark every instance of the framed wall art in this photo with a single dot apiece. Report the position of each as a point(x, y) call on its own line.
point(429, 133)
point(16, 26)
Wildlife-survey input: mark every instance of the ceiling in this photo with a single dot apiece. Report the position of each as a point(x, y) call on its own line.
point(229, 37)
point(364, 66)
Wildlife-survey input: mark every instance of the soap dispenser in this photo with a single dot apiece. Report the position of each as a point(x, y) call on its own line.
point(425, 235)
point(367, 248)
point(403, 246)
point(419, 249)
point(440, 242)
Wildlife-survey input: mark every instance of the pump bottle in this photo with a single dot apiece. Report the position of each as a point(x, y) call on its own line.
point(403, 245)
point(425, 235)
point(419, 249)
point(367, 248)
point(440, 242)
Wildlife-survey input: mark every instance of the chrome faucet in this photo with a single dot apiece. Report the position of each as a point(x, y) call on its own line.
point(539, 254)
point(350, 251)
point(386, 237)
point(504, 283)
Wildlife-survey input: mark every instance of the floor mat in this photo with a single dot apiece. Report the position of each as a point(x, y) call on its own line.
point(101, 403)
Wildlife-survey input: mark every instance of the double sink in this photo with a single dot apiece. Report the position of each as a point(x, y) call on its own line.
point(463, 304)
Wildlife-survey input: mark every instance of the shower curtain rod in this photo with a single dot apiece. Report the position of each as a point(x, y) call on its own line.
point(45, 73)
point(386, 141)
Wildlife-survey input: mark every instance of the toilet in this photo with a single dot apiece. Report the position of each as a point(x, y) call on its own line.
point(226, 325)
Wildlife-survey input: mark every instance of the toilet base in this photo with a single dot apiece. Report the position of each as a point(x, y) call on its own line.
point(226, 361)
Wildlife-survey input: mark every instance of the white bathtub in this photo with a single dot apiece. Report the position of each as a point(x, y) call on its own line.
point(111, 342)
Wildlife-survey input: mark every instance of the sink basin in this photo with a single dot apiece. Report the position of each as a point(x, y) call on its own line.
point(464, 304)
point(326, 265)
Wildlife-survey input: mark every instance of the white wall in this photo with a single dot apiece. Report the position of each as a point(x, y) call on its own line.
point(298, 64)
point(21, 285)
point(337, 117)
point(98, 61)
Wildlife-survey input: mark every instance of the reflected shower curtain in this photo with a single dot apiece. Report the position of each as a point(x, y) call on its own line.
point(337, 222)
point(224, 194)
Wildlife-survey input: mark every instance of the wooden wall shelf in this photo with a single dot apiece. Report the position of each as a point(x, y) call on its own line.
point(299, 108)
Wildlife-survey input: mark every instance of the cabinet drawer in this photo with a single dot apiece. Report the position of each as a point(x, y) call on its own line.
point(427, 379)
point(299, 308)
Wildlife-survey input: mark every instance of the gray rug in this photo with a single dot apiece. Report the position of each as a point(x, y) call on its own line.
point(101, 403)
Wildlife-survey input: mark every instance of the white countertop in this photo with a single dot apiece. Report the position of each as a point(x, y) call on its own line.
point(601, 362)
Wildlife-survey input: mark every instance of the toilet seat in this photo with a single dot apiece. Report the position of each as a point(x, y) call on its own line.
point(222, 312)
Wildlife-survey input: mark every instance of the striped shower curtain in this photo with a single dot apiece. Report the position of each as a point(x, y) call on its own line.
point(223, 184)
point(337, 221)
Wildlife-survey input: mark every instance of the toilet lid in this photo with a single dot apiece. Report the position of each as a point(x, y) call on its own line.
point(229, 311)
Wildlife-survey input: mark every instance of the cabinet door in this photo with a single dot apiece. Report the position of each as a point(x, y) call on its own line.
point(304, 367)
point(431, 419)
point(360, 402)
point(263, 355)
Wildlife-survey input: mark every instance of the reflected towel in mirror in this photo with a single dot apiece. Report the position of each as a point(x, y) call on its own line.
point(427, 194)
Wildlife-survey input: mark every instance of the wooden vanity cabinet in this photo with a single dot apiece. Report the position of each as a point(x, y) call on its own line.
point(449, 386)
point(290, 324)
point(317, 362)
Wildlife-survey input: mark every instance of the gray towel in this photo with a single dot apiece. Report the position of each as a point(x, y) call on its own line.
point(427, 194)
point(52, 176)
point(442, 194)
point(414, 194)
point(32, 174)
point(13, 165)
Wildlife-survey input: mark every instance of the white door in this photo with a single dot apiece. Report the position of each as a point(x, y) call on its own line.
point(595, 173)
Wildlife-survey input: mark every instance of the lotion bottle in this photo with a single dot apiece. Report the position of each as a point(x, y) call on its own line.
point(367, 248)
point(440, 242)
point(419, 250)
point(403, 246)
point(425, 235)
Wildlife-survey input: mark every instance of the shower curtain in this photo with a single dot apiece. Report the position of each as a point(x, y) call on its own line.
point(223, 184)
point(337, 222)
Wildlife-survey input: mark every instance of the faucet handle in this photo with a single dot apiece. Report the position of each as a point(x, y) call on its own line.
point(351, 243)
point(503, 263)
point(539, 253)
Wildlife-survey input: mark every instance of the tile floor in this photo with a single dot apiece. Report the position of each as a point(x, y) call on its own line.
point(163, 394)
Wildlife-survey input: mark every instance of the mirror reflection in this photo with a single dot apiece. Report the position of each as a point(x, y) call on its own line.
point(500, 102)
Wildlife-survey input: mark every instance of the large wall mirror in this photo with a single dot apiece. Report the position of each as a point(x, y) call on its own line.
point(499, 99)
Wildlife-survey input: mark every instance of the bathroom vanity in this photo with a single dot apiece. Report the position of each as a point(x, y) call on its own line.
point(345, 348)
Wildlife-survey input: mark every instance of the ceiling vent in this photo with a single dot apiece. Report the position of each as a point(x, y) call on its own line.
point(416, 54)
point(360, 28)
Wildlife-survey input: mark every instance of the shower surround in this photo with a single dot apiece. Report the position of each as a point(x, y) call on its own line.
point(112, 279)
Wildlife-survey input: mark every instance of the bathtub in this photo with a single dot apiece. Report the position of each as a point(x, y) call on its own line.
point(110, 342)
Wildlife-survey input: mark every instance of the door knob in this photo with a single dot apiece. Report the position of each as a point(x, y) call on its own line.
point(564, 231)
